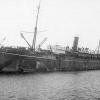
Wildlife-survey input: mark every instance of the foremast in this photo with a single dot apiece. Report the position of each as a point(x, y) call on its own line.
point(35, 29)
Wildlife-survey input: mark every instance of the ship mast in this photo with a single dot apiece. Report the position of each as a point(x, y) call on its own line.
point(98, 47)
point(35, 29)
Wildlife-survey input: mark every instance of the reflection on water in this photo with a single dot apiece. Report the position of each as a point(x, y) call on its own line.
point(51, 86)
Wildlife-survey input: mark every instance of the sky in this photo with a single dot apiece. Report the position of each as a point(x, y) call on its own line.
point(59, 20)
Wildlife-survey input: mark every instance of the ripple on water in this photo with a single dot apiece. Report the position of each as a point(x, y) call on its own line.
point(52, 86)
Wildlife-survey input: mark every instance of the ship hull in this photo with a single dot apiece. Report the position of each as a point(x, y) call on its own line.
point(47, 63)
point(26, 63)
point(15, 62)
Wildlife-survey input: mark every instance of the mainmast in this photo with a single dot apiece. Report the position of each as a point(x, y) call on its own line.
point(35, 29)
point(98, 49)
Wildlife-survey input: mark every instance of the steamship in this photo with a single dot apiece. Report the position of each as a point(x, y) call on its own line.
point(21, 59)
point(47, 61)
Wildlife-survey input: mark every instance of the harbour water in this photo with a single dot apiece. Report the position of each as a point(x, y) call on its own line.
point(51, 86)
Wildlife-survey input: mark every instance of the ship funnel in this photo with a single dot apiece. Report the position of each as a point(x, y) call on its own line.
point(75, 44)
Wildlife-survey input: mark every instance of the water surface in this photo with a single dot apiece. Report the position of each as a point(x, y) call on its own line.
point(51, 86)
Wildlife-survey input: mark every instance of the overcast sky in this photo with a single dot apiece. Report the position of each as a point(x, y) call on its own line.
point(60, 21)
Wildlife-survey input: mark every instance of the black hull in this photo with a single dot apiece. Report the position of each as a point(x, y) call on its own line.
point(15, 62)
point(46, 63)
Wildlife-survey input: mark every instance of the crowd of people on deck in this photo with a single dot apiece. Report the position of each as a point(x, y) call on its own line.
point(10, 49)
